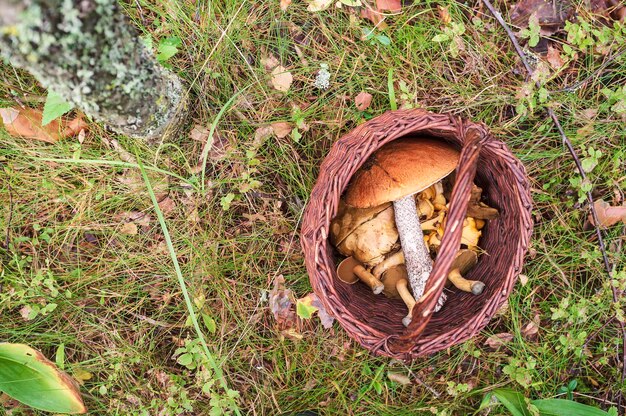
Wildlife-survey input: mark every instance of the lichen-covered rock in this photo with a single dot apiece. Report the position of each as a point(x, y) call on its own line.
point(86, 51)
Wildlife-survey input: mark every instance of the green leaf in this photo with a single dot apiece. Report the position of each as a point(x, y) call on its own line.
point(390, 90)
point(209, 322)
point(513, 401)
point(168, 47)
point(185, 359)
point(384, 40)
point(29, 377)
point(54, 107)
point(442, 37)
point(304, 309)
point(561, 407)
point(59, 357)
point(351, 3)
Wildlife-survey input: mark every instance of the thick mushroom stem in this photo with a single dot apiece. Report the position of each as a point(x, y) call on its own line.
point(475, 287)
point(416, 256)
point(369, 279)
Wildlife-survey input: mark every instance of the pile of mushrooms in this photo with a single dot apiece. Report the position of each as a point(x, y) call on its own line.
point(391, 201)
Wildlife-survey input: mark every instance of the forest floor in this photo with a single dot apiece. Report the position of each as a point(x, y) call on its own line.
point(87, 275)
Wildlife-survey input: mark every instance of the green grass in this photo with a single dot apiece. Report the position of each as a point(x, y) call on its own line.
point(120, 311)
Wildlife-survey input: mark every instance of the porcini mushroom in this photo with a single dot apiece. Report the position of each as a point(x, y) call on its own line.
point(396, 285)
point(367, 234)
point(464, 261)
point(395, 173)
point(350, 271)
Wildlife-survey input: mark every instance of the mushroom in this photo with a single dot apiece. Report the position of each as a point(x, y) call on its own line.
point(350, 271)
point(367, 234)
point(470, 234)
point(396, 285)
point(464, 261)
point(395, 173)
point(477, 209)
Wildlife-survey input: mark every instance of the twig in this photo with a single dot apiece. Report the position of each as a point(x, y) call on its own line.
point(572, 152)
point(595, 73)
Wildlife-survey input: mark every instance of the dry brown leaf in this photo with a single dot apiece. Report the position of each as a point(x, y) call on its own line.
point(554, 58)
point(363, 100)
point(284, 4)
point(281, 129)
point(532, 328)
point(281, 304)
point(199, 133)
point(281, 78)
point(26, 123)
point(497, 340)
point(399, 378)
point(523, 279)
point(444, 15)
point(389, 5)
point(129, 228)
point(608, 215)
point(374, 16)
point(550, 14)
point(167, 205)
point(270, 62)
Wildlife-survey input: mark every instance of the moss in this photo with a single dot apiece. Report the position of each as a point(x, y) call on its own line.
point(87, 52)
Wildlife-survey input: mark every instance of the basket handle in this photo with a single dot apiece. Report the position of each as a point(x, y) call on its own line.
point(473, 137)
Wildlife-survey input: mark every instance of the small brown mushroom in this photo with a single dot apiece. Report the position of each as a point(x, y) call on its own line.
point(477, 209)
point(396, 285)
point(464, 261)
point(350, 271)
point(470, 233)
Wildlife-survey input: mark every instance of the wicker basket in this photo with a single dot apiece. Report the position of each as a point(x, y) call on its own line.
point(375, 321)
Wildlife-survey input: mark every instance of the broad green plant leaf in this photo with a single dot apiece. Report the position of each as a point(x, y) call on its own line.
point(29, 377)
point(167, 48)
point(54, 107)
point(513, 401)
point(562, 407)
point(304, 307)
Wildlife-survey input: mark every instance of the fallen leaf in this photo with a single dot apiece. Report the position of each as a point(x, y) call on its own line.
point(444, 15)
point(363, 100)
point(554, 58)
point(167, 205)
point(280, 303)
point(129, 228)
point(551, 15)
point(270, 62)
point(532, 328)
point(394, 6)
point(608, 215)
point(319, 5)
point(523, 279)
point(325, 318)
point(281, 78)
point(399, 378)
point(284, 4)
point(25, 312)
point(281, 129)
point(497, 340)
point(199, 133)
point(304, 307)
point(374, 17)
point(26, 123)
point(260, 135)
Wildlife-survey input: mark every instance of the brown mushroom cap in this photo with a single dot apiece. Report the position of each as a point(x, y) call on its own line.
point(400, 168)
point(345, 270)
point(464, 261)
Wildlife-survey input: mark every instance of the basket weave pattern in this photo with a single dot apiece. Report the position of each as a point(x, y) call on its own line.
point(375, 321)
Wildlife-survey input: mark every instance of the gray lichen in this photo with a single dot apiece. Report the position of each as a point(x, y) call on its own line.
point(88, 53)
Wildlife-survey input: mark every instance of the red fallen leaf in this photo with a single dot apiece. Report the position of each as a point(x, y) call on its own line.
point(363, 101)
point(607, 214)
point(389, 5)
point(26, 122)
point(554, 58)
